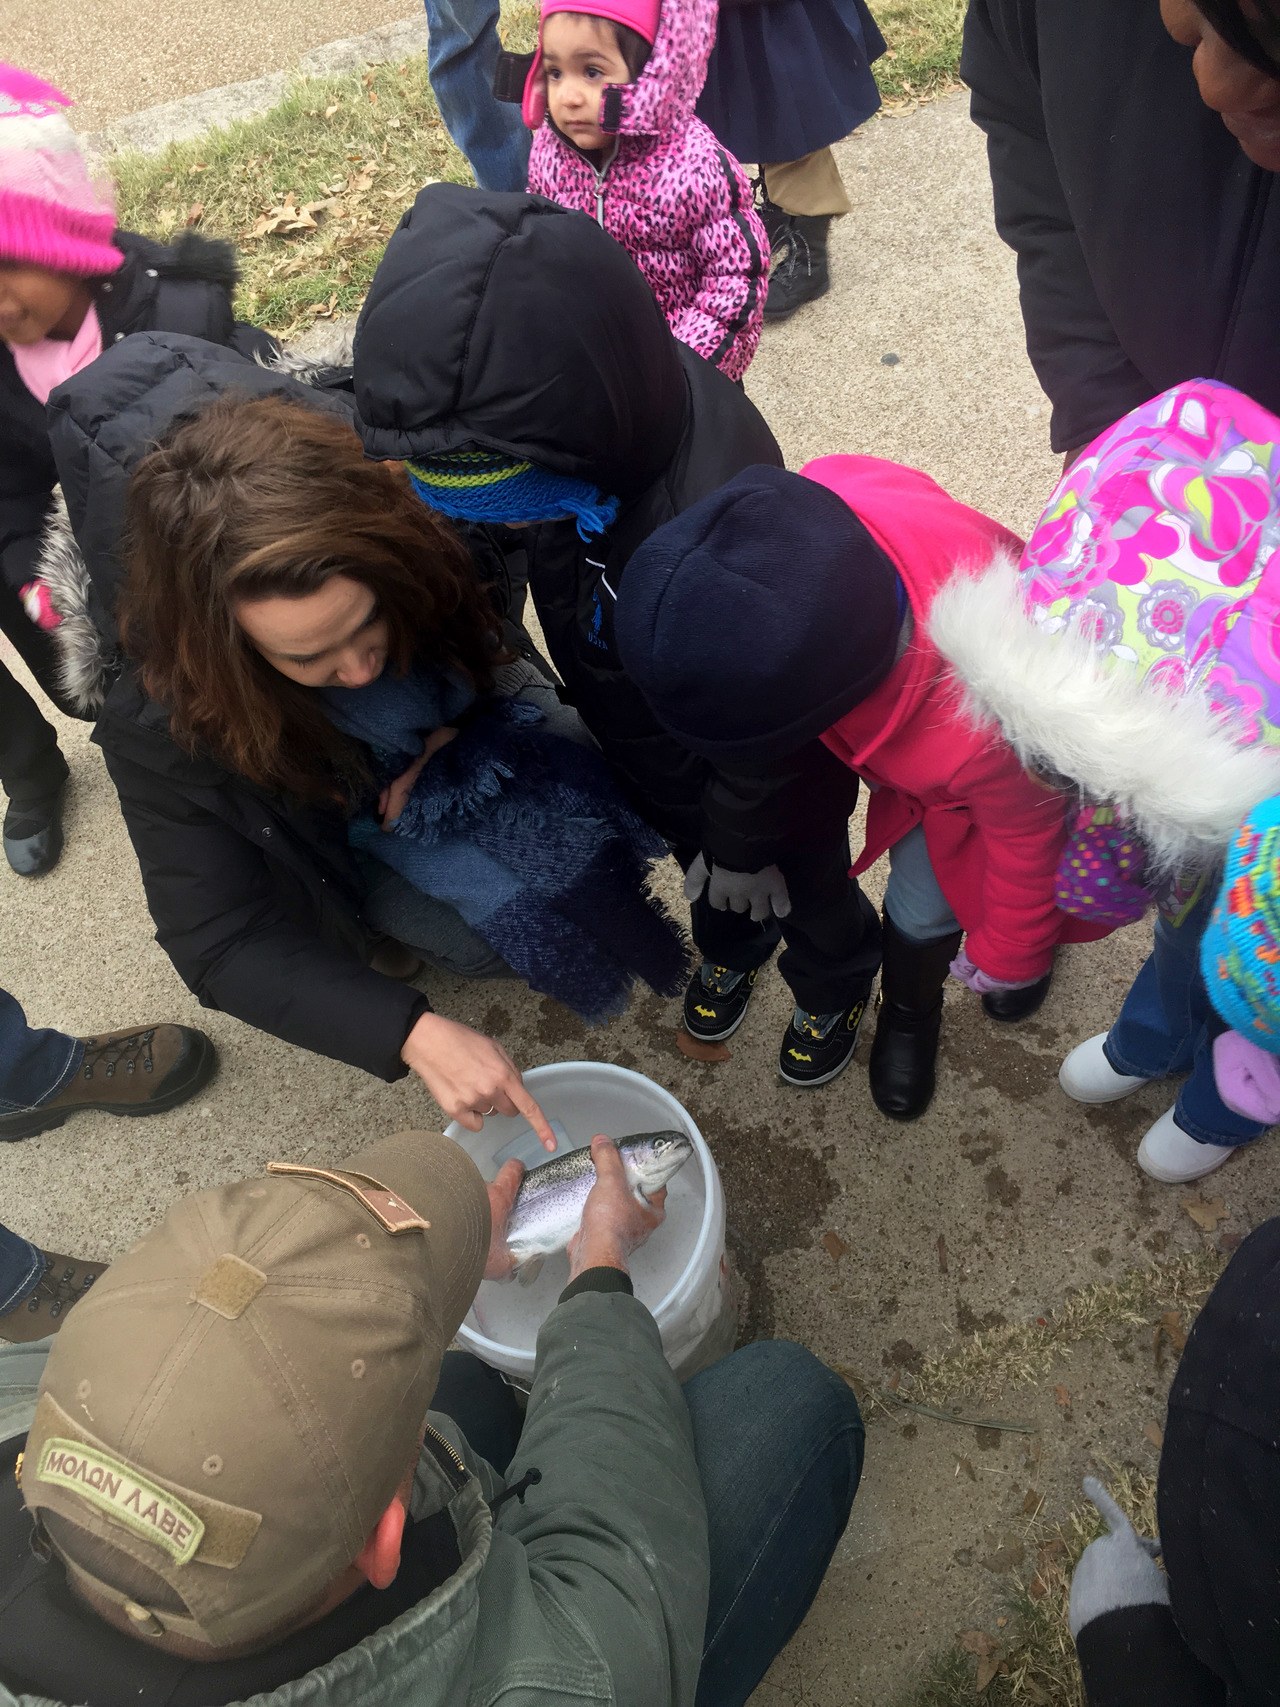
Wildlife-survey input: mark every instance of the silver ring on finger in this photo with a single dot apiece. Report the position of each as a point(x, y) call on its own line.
point(489, 1111)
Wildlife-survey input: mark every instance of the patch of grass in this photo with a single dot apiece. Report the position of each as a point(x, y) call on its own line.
point(924, 48)
point(987, 1364)
point(1029, 1659)
point(361, 144)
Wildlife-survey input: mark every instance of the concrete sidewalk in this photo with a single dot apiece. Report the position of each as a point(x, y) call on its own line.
point(916, 354)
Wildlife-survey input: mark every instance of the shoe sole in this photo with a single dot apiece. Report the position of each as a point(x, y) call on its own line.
point(714, 1036)
point(1100, 1101)
point(1165, 1176)
point(204, 1066)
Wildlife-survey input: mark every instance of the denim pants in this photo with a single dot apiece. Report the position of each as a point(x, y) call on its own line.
point(779, 1443)
point(34, 1065)
point(1167, 1025)
point(21, 1266)
point(913, 898)
point(462, 56)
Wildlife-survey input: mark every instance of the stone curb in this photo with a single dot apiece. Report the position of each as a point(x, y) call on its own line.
point(176, 121)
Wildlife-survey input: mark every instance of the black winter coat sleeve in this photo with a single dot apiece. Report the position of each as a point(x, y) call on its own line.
point(755, 818)
point(27, 477)
point(212, 900)
point(1135, 1657)
point(1078, 359)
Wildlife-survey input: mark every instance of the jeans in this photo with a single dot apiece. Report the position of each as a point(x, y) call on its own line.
point(912, 896)
point(32, 770)
point(433, 929)
point(462, 56)
point(34, 1065)
point(779, 1443)
point(21, 1266)
point(1167, 1025)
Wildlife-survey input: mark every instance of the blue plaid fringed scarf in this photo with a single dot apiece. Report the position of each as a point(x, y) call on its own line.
point(526, 833)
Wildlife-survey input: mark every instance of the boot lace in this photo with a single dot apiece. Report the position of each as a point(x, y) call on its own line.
point(58, 1290)
point(111, 1053)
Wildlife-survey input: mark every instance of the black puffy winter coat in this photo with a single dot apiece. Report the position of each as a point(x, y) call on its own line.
point(255, 899)
point(504, 322)
point(1148, 245)
point(184, 287)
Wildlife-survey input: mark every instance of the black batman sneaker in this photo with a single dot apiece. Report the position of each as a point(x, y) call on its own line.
point(716, 1002)
point(818, 1047)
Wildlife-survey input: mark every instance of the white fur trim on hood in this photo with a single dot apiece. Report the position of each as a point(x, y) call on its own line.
point(1166, 763)
point(85, 662)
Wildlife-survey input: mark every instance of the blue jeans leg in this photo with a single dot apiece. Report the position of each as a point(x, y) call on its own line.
point(913, 898)
point(462, 56)
point(779, 1443)
point(1167, 1025)
point(21, 1266)
point(34, 1065)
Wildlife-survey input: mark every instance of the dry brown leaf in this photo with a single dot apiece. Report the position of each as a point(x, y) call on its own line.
point(201, 166)
point(330, 111)
point(964, 1467)
point(394, 124)
point(1205, 1212)
point(694, 1049)
point(1054, 1548)
point(1001, 1622)
point(1155, 1434)
point(894, 1381)
point(195, 213)
point(1062, 1397)
point(834, 1246)
point(941, 1247)
point(988, 1667)
point(1036, 1588)
point(1032, 1502)
point(977, 1642)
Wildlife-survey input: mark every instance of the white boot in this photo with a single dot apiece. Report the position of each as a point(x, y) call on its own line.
point(1087, 1076)
point(1173, 1156)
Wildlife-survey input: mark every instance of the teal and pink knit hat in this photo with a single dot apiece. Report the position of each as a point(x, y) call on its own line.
point(52, 212)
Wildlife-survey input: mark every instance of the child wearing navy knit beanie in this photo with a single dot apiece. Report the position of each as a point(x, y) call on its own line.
point(789, 608)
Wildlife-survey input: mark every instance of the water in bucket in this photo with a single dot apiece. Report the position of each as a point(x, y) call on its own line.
point(678, 1272)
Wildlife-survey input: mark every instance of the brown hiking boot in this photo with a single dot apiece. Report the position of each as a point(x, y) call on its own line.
point(64, 1282)
point(125, 1072)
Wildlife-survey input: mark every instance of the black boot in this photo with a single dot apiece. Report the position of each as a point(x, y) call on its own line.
point(904, 1053)
point(1013, 1005)
point(777, 224)
point(801, 274)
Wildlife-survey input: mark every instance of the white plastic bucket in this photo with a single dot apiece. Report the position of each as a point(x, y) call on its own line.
point(679, 1272)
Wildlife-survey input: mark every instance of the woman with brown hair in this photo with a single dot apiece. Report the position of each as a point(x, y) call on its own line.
point(272, 577)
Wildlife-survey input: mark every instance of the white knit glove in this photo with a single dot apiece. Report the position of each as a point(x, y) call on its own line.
point(759, 893)
point(1118, 1569)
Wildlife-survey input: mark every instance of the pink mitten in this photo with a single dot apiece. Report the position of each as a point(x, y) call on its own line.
point(980, 982)
point(1247, 1077)
point(39, 606)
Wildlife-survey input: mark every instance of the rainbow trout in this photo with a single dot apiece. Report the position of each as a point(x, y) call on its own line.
point(548, 1208)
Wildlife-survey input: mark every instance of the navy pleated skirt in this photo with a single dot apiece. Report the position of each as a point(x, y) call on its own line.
point(789, 76)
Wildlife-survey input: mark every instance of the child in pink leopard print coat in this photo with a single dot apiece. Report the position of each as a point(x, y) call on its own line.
point(610, 96)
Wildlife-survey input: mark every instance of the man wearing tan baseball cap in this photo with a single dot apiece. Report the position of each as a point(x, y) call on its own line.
point(230, 1486)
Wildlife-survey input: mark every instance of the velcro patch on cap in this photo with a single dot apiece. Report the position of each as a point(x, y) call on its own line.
point(230, 1286)
point(141, 1505)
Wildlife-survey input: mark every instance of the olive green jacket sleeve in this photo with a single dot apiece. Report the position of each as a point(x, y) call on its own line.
point(613, 1537)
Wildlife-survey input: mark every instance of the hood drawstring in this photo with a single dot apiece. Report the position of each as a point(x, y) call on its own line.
point(516, 1491)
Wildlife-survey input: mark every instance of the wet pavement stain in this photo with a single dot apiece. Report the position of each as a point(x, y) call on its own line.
point(558, 1025)
point(1001, 1189)
point(777, 1192)
point(1002, 1063)
point(980, 1147)
point(496, 1020)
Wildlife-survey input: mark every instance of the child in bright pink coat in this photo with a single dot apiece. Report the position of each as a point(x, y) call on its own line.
point(610, 96)
point(786, 609)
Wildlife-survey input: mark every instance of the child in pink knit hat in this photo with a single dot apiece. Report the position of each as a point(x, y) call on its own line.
point(610, 96)
point(70, 283)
